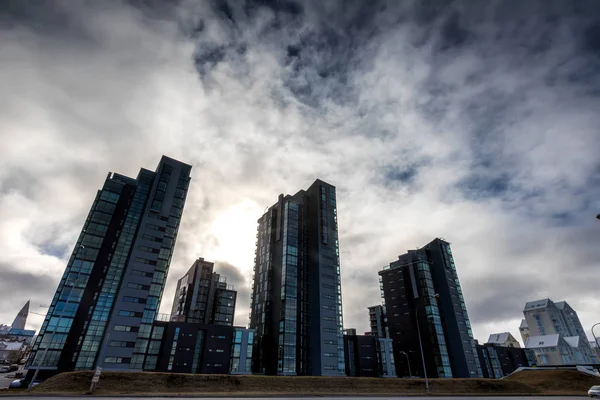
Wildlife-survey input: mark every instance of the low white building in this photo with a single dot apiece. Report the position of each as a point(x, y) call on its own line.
point(8, 349)
point(504, 339)
point(557, 350)
point(555, 334)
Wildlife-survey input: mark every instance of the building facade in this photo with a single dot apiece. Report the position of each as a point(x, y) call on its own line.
point(198, 348)
point(556, 334)
point(296, 306)
point(368, 355)
point(524, 330)
point(378, 321)
point(203, 296)
point(423, 297)
point(498, 361)
point(106, 302)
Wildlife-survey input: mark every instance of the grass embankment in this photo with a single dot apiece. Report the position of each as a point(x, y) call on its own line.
point(556, 381)
point(130, 383)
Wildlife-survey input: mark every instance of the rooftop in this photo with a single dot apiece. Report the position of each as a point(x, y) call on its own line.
point(538, 304)
point(500, 338)
point(536, 342)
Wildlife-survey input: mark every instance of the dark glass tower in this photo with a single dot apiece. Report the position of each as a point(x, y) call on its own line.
point(423, 296)
point(296, 305)
point(108, 297)
point(203, 296)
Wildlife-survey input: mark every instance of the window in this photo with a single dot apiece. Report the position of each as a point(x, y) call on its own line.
point(139, 272)
point(155, 227)
point(330, 354)
point(152, 238)
point(125, 328)
point(127, 313)
point(137, 286)
point(117, 360)
point(129, 299)
point(144, 261)
point(117, 343)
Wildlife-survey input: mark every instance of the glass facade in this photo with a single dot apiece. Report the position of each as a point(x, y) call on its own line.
point(471, 349)
point(94, 335)
point(432, 312)
point(57, 324)
point(296, 306)
point(289, 291)
point(112, 284)
point(241, 351)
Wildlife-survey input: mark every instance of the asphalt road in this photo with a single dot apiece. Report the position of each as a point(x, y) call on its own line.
point(4, 381)
point(329, 398)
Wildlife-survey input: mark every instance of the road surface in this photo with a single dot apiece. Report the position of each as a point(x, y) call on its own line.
point(4, 381)
point(327, 398)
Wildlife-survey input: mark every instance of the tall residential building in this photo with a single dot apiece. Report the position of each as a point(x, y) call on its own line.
point(21, 318)
point(378, 321)
point(105, 304)
point(203, 296)
point(296, 305)
point(556, 334)
point(423, 297)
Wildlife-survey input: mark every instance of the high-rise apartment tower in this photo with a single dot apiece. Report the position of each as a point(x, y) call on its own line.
point(296, 305)
point(423, 299)
point(108, 297)
point(203, 296)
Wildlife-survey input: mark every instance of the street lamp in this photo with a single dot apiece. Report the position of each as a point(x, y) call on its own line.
point(595, 338)
point(436, 296)
point(408, 362)
point(60, 316)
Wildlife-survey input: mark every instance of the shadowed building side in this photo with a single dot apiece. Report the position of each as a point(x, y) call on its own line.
point(296, 306)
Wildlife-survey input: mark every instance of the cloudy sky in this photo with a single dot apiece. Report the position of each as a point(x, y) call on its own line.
point(477, 122)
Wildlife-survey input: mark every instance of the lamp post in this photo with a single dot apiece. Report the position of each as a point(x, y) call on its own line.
point(595, 338)
point(408, 362)
point(436, 296)
point(60, 316)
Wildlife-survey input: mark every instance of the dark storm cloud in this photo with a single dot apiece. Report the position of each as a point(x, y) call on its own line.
point(474, 121)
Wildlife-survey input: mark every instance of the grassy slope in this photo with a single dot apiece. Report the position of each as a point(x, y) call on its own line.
point(155, 383)
point(556, 381)
point(526, 382)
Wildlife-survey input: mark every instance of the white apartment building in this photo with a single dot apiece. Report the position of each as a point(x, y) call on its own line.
point(553, 331)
